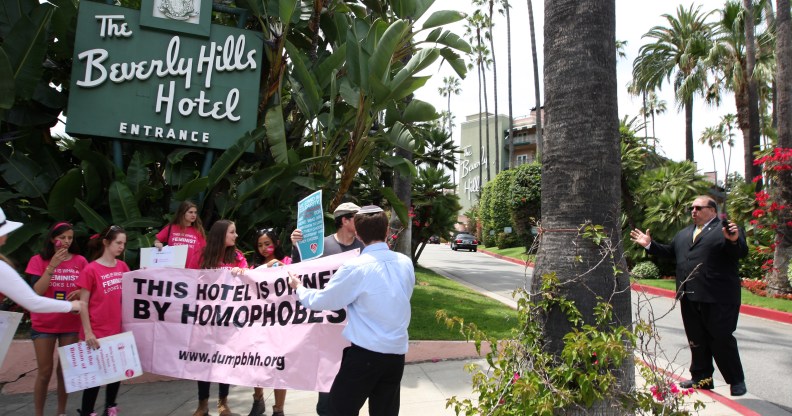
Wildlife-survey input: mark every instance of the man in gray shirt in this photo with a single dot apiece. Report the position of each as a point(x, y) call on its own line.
point(344, 239)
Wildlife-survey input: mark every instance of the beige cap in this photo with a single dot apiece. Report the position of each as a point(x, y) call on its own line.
point(344, 209)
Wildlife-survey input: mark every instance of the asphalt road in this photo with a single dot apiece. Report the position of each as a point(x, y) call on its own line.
point(765, 345)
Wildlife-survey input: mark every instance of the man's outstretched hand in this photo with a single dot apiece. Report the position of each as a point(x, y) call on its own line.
point(639, 237)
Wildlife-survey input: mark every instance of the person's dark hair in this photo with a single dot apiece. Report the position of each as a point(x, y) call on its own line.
point(710, 201)
point(371, 227)
point(49, 248)
point(96, 244)
point(181, 211)
point(338, 220)
point(258, 259)
point(216, 253)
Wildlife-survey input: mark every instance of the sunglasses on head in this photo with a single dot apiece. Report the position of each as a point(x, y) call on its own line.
point(266, 230)
point(111, 229)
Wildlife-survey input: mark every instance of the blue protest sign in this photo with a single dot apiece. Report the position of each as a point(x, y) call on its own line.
point(310, 220)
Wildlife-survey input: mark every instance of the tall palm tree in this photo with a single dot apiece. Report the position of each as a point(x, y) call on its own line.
point(751, 142)
point(473, 28)
point(498, 134)
point(653, 106)
point(582, 153)
point(777, 281)
point(505, 9)
point(713, 136)
point(736, 71)
point(678, 50)
point(636, 90)
point(727, 124)
point(537, 97)
point(451, 86)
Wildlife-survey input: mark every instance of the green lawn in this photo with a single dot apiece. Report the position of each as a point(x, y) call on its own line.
point(434, 292)
point(748, 298)
point(513, 252)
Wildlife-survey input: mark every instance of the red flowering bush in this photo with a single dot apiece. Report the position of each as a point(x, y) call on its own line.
point(768, 206)
point(759, 288)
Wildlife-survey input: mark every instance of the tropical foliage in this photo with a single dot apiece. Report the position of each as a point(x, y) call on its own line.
point(336, 91)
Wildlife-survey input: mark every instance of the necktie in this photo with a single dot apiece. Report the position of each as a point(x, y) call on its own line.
point(696, 232)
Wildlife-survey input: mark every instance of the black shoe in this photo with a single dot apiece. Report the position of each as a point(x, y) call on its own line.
point(698, 384)
point(738, 389)
point(258, 408)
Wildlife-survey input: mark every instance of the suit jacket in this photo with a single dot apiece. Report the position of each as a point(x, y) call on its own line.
point(710, 264)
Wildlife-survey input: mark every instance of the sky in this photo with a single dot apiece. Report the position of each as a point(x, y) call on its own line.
point(633, 19)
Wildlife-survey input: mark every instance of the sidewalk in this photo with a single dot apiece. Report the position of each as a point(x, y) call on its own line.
point(435, 372)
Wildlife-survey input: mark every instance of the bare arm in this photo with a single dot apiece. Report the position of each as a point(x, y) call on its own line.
point(85, 317)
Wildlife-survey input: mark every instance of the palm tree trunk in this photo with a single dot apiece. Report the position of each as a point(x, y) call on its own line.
point(777, 281)
point(689, 129)
point(481, 135)
point(753, 96)
point(581, 172)
point(539, 131)
point(486, 123)
point(402, 187)
point(498, 134)
point(646, 130)
point(509, 76)
point(654, 135)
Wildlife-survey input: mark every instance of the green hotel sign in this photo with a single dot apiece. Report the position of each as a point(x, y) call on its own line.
point(152, 85)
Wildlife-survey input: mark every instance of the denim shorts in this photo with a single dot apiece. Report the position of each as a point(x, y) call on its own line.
point(36, 334)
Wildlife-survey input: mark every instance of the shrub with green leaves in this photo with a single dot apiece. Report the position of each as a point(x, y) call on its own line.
point(507, 240)
point(646, 270)
point(525, 379)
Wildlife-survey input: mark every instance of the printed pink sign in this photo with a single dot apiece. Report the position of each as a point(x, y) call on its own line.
point(244, 330)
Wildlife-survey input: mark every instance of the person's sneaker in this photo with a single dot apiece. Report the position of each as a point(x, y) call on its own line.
point(705, 384)
point(738, 389)
point(111, 411)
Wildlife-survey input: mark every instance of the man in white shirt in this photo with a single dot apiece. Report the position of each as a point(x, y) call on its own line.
point(375, 288)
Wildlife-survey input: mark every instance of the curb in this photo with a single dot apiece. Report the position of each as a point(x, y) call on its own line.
point(509, 259)
point(731, 404)
point(773, 315)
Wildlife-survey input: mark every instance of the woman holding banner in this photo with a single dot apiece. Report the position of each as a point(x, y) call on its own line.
point(220, 253)
point(100, 294)
point(17, 289)
point(268, 253)
point(54, 274)
point(185, 229)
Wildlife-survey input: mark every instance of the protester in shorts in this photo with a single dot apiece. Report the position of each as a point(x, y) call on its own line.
point(15, 287)
point(54, 272)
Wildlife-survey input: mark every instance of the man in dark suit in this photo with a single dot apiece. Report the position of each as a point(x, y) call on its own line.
point(708, 286)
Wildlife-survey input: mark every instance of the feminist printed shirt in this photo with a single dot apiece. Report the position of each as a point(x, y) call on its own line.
point(62, 282)
point(104, 305)
point(176, 235)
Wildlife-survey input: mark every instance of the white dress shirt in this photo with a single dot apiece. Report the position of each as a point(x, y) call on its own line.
point(375, 287)
point(20, 292)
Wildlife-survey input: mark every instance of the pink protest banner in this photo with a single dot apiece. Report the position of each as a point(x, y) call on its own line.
point(244, 330)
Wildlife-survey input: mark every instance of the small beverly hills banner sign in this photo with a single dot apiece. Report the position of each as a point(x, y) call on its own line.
point(162, 83)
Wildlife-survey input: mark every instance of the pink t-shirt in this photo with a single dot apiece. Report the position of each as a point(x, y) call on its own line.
point(181, 236)
point(104, 305)
point(62, 282)
point(240, 262)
